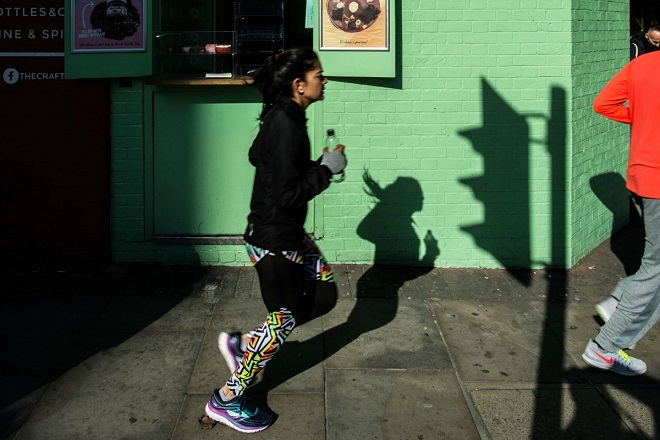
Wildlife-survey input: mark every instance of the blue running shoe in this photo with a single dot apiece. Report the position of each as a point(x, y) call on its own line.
point(238, 413)
point(230, 347)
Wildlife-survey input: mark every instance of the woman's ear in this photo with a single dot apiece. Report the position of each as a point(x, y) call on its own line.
point(298, 86)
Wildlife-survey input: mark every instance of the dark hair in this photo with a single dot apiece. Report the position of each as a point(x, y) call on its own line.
point(275, 76)
point(654, 28)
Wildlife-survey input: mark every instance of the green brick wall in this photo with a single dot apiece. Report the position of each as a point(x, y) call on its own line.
point(490, 122)
point(127, 143)
point(599, 145)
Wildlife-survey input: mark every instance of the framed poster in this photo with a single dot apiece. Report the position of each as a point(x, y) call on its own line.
point(108, 26)
point(361, 25)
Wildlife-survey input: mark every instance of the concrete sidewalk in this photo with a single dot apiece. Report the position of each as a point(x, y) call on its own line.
point(408, 353)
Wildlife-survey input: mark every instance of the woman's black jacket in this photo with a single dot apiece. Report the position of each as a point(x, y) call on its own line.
point(285, 179)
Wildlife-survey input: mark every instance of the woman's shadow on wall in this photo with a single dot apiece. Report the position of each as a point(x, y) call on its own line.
point(390, 227)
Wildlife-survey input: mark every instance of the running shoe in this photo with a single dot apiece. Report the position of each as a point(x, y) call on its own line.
point(606, 308)
point(230, 347)
point(238, 413)
point(619, 362)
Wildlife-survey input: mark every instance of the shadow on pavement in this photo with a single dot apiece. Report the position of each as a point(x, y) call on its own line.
point(52, 321)
point(389, 226)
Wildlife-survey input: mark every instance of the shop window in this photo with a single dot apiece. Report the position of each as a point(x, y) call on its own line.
point(253, 29)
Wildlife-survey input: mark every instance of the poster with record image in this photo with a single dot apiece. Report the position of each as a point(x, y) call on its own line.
point(354, 25)
point(108, 26)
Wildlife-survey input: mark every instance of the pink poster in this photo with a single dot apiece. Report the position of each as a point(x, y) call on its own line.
point(109, 26)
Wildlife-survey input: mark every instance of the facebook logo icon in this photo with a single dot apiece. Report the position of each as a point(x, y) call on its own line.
point(10, 75)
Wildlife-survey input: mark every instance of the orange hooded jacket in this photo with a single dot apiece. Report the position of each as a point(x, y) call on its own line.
point(637, 84)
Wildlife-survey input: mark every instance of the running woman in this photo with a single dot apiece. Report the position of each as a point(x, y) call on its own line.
point(297, 284)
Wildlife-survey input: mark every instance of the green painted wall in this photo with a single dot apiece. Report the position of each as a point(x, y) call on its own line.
point(469, 123)
point(201, 178)
point(599, 198)
point(150, 192)
point(486, 145)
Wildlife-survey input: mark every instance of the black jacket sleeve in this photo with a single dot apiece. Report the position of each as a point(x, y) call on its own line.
point(295, 179)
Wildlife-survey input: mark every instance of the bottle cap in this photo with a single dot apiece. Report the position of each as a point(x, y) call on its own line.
point(331, 132)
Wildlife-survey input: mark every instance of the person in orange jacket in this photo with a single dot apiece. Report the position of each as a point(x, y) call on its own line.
point(633, 307)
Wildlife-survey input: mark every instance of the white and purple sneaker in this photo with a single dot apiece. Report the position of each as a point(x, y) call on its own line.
point(238, 413)
point(230, 347)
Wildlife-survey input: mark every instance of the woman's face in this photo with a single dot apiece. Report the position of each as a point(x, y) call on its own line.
point(310, 89)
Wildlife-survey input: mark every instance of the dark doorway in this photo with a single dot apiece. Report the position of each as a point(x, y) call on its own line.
point(643, 13)
point(54, 166)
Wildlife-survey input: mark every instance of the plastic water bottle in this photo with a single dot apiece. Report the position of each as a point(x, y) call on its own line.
point(330, 142)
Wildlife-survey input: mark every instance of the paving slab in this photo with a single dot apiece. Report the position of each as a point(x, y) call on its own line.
point(353, 273)
point(14, 414)
point(298, 416)
point(342, 279)
point(383, 333)
point(248, 283)
point(433, 285)
point(58, 326)
point(493, 341)
point(396, 405)
point(565, 413)
point(131, 391)
point(59, 319)
point(187, 314)
point(639, 407)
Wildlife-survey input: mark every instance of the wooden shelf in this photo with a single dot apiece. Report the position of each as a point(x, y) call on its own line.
point(235, 81)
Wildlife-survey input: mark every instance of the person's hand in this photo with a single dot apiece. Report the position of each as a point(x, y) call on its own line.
point(340, 148)
point(334, 160)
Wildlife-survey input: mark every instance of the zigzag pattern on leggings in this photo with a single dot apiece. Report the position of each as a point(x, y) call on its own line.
point(264, 343)
point(316, 267)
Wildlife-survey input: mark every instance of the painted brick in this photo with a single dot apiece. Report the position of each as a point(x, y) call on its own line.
point(127, 188)
point(118, 107)
point(119, 131)
point(123, 95)
point(456, 60)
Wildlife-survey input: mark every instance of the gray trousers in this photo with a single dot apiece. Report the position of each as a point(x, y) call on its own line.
point(638, 294)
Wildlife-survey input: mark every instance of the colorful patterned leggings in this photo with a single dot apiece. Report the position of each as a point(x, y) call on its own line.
point(296, 286)
point(265, 341)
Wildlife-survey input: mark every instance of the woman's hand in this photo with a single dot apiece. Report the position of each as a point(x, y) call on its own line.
point(339, 148)
point(334, 160)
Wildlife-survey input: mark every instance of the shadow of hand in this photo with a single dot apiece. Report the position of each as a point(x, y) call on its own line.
point(432, 249)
